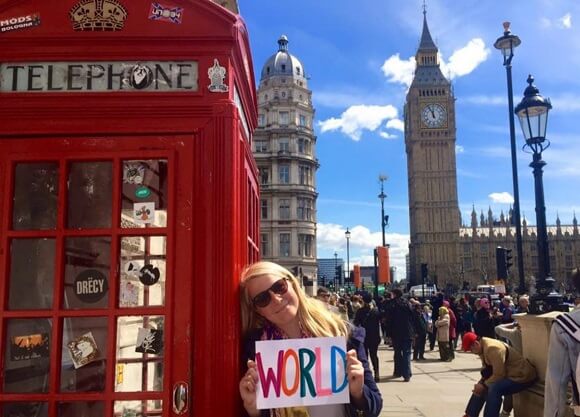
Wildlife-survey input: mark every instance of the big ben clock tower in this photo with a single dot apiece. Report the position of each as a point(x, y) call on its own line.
point(430, 146)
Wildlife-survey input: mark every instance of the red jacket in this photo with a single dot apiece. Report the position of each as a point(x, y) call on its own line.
point(452, 321)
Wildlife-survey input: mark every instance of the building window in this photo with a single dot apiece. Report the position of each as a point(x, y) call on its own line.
point(262, 119)
point(305, 245)
point(284, 209)
point(261, 146)
point(466, 248)
point(283, 145)
point(304, 146)
point(467, 265)
point(264, 175)
point(304, 209)
point(569, 261)
point(264, 244)
point(284, 174)
point(264, 209)
point(283, 118)
point(568, 246)
point(285, 244)
point(302, 120)
point(484, 248)
point(305, 175)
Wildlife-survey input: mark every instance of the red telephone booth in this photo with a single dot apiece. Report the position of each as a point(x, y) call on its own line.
point(129, 205)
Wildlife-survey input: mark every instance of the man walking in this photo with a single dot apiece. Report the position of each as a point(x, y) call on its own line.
point(401, 320)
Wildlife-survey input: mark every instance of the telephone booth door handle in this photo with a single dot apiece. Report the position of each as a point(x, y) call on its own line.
point(180, 398)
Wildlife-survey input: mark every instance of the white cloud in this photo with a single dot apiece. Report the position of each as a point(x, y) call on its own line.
point(330, 238)
point(396, 124)
point(398, 70)
point(459, 149)
point(566, 21)
point(464, 60)
point(387, 135)
point(357, 118)
point(503, 197)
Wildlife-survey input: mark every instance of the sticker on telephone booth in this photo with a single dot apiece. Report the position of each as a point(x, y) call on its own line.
point(216, 75)
point(149, 341)
point(83, 350)
point(31, 346)
point(133, 173)
point(144, 213)
point(129, 295)
point(91, 286)
point(149, 275)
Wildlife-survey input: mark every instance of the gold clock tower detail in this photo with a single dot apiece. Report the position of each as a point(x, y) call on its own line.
point(430, 146)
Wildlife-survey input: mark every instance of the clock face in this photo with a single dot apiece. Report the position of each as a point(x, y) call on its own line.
point(434, 115)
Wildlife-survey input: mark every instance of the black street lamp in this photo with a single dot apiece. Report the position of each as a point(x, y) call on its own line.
point(533, 114)
point(335, 269)
point(382, 196)
point(347, 235)
point(506, 44)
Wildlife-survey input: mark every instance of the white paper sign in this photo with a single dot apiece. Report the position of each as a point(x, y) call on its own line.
point(301, 372)
point(144, 213)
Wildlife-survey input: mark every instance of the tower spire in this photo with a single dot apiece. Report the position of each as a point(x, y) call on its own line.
point(426, 43)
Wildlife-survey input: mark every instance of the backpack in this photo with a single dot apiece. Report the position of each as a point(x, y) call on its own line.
point(573, 329)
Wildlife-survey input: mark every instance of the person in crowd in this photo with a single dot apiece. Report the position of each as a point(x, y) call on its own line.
point(563, 361)
point(356, 303)
point(325, 296)
point(420, 332)
point(428, 319)
point(506, 309)
point(368, 317)
point(442, 325)
point(400, 316)
point(274, 307)
point(463, 318)
point(437, 302)
point(505, 371)
point(383, 307)
point(510, 333)
point(452, 329)
point(484, 322)
point(523, 304)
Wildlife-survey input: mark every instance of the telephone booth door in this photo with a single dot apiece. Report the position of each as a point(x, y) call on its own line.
point(96, 304)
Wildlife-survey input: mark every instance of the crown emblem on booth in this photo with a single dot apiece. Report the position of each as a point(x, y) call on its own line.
point(98, 15)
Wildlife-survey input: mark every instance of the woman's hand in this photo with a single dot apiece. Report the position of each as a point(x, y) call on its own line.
point(356, 375)
point(248, 385)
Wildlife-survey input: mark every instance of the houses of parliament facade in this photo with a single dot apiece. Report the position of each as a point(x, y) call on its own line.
point(456, 254)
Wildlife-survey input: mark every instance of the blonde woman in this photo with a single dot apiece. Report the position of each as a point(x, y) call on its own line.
point(275, 307)
point(442, 325)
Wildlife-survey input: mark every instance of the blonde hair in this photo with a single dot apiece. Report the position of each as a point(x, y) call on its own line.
point(313, 315)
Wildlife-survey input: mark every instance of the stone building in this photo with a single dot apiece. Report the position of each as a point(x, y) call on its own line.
point(478, 242)
point(284, 148)
point(431, 168)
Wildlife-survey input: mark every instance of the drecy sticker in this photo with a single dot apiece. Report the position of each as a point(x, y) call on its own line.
point(83, 350)
point(20, 22)
point(166, 14)
point(149, 341)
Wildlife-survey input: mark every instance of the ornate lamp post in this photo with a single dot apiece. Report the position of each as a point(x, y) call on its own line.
point(335, 269)
point(533, 114)
point(347, 235)
point(507, 43)
point(382, 196)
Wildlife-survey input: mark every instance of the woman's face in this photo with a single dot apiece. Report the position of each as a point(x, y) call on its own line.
point(282, 308)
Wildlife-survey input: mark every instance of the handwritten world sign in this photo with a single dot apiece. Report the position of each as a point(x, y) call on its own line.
point(301, 372)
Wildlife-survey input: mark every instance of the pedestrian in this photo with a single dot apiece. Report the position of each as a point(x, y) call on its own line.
point(563, 361)
point(274, 307)
point(506, 309)
point(437, 302)
point(505, 371)
point(484, 323)
point(420, 332)
point(400, 316)
point(442, 325)
point(368, 317)
point(523, 304)
point(452, 329)
point(324, 295)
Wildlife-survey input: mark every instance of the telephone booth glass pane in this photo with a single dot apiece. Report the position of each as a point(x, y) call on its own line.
point(31, 274)
point(35, 196)
point(27, 355)
point(144, 194)
point(86, 280)
point(143, 271)
point(90, 195)
point(25, 409)
point(140, 345)
point(151, 408)
point(84, 351)
point(81, 409)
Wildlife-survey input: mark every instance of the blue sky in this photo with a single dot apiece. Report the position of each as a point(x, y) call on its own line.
point(357, 54)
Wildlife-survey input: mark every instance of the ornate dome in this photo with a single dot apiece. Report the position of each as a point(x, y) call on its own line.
point(283, 63)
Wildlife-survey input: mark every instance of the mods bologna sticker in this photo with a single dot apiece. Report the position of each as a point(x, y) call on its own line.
point(20, 22)
point(166, 14)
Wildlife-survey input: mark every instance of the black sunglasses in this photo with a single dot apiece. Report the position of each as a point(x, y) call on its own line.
point(262, 300)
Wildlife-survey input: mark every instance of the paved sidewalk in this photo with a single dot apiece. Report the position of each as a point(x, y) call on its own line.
point(437, 389)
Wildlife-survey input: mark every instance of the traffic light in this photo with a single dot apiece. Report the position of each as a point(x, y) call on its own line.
point(501, 262)
point(508, 260)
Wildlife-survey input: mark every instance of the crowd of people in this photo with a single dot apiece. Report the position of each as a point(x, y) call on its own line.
point(275, 307)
